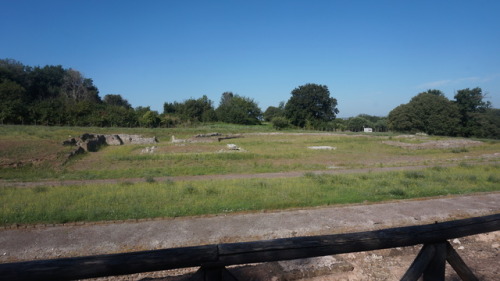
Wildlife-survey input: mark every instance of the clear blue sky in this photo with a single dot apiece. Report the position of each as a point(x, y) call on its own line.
point(373, 55)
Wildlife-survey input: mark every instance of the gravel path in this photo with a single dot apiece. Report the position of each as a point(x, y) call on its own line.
point(28, 243)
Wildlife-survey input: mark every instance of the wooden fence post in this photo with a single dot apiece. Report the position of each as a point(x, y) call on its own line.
point(431, 262)
point(420, 263)
point(436, 268)
point(219, 273)
point(459, 265)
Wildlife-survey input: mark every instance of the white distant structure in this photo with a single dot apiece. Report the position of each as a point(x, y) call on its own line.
point(367, 130)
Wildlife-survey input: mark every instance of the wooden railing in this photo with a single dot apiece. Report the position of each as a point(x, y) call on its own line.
point(212, 259)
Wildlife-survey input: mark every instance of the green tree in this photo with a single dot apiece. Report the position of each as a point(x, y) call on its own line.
point(45, 82)
point(116, 100)
point(171, 108)
point(51, 112)
point(141, 110)
point(12, 107)
point(471, 105)
point(357, 124)
point(115, 116)
point(280, 122)
point(273, 111)
point(379, 124)
point(310, 104)
point(339, 124)
point(429, 112)
point(14, 71)
point(238, 110)
point(403, 118)
point(51, 95)
point(150, 119)
point(198, 110)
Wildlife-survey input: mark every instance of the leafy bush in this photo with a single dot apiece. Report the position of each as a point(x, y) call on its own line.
point(280, 123)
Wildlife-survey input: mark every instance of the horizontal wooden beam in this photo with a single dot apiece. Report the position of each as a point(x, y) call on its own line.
point(108, 265)
point(243, 253)
point(303, 247)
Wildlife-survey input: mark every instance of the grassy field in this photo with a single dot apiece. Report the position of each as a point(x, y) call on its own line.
point(264, 151)
point(61, 204)
point(29, 153)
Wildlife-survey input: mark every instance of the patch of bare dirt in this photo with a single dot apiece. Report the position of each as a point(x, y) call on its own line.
point(18, 153)
point(439, 144)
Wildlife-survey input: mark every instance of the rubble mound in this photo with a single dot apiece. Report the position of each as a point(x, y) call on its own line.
point(92, 142)
point(204, 138)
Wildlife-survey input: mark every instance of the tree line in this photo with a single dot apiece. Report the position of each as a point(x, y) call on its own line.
point(468, 115)
point(53, 95)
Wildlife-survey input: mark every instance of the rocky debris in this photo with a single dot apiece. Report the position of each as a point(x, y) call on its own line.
point(231, 146)
point(203, 138)
point(92, 142)
point(299, 269)
point(174, 140)
point(136, 139)
point(113, 140)
point(148, 150)
point(69, 142)
point(75, 152)
point(313, 267)
point(230, 137)
point(208, 135)
point(324, 147)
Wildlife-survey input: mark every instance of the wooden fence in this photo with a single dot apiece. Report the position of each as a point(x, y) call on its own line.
point(212, 259)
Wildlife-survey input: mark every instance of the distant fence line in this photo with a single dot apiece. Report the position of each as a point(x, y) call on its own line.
point(212, 259)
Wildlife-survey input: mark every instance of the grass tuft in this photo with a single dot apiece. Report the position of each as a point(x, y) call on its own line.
point(126, 183)
point(459, 150)
point(493, 179)
point(397, 192)
point(150, 179)
point(190, 189)
point(414, 174)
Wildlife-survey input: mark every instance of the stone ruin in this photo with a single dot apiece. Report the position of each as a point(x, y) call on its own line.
point(148, 150)
point(92, 142)
point(203, 138)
